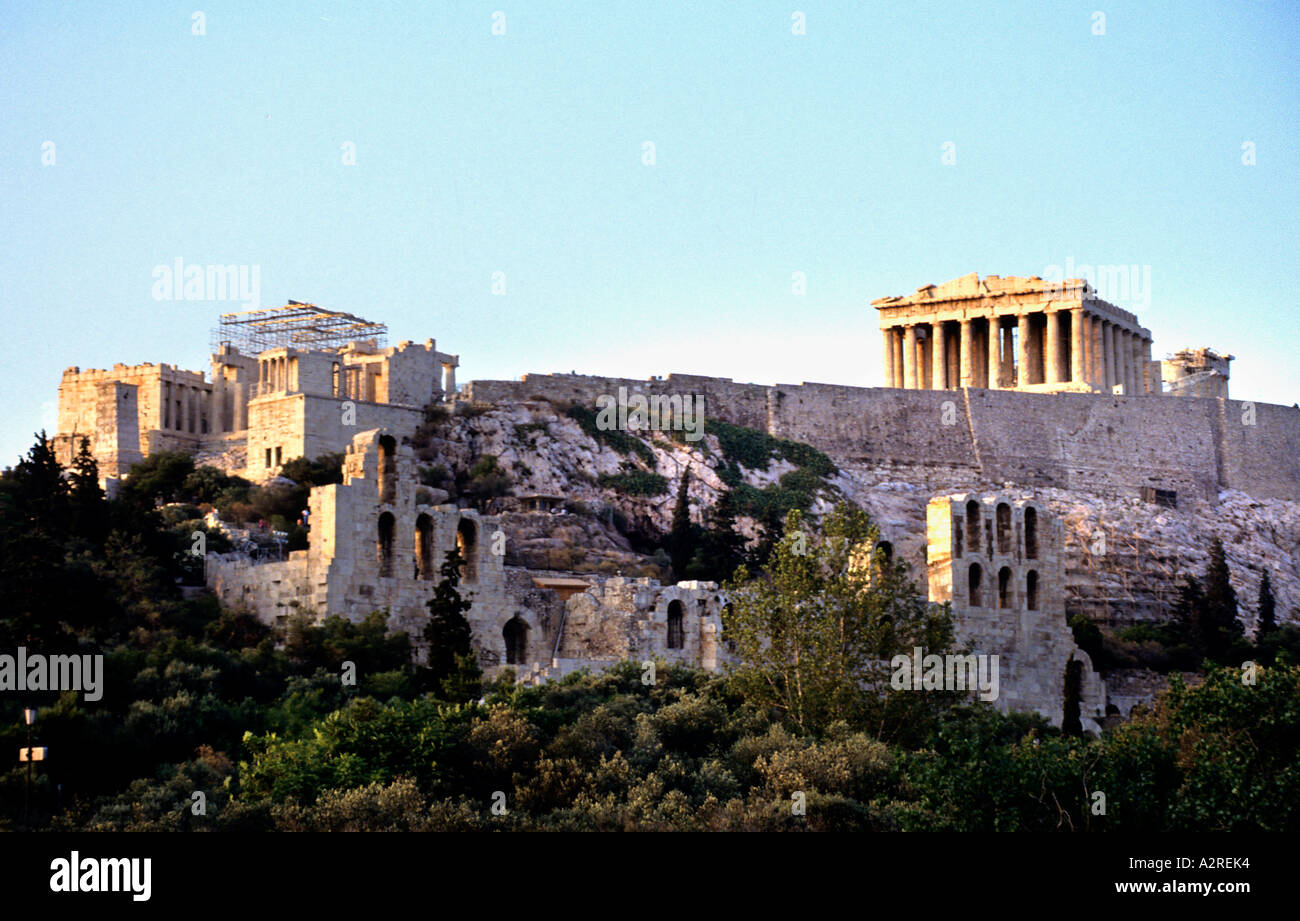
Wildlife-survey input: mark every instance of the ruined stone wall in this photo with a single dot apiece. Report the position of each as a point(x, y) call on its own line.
point(1024, 625)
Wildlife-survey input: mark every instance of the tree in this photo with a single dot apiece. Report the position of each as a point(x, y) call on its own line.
point(1267, 607)
point(159, 477)
point(816, 630)
point(1219, 628)
point(682, 536)
point(89, 516)
point(453, 667)
point(721, 548)
point(1071, 725)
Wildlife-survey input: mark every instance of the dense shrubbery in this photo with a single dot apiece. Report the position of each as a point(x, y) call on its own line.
point(635, 483)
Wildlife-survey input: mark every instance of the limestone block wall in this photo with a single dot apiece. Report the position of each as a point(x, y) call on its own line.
point(1098, 443)
point(975, 543)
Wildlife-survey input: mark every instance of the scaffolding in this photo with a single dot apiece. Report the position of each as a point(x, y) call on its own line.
point(295, 325)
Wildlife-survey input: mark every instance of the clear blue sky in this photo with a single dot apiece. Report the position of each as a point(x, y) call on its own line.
point(522, 153)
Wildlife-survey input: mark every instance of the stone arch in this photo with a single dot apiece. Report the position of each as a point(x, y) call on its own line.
point(467, 544)
point(676, 625)
point(1004, 587)
point(973, 526)
point(1031, 590)
point(426, 564)
point(1004, 527)
point(974, 584)
point(387, 469)
point(887, 550)
point(384, 549)
point(515, 635)
point(1031, 533)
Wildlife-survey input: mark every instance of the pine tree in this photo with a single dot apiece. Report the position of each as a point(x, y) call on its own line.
point(89, 519)
point(682, 537)
point(721, 547)
point(454, 673)
point(1220, 626)
point(1071, 724)
point(1267, 607)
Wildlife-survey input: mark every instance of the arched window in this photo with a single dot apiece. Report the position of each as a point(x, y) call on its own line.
point(1004, 528)
point(886, 549)
point(387, 525)
point(973, 526)
point(424, 547)
point(1031, 533)
point(515, 633)
point(387, 469)
point(467, 544)
point(1004, 587)
point(974, 581)
point(1031, 590)
point(676, 632)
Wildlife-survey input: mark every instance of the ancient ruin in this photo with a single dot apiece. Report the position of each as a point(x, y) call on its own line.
point(1014, 334)
point(1017, 417)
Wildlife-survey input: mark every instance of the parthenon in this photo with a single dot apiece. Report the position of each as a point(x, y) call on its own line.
point(1014, 334)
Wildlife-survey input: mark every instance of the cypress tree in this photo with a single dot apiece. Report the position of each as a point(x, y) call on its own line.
point(1267, 607)
point(453, 667)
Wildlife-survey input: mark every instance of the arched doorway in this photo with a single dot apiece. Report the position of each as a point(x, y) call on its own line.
point(425, 562)
point(676, 629)
point(1004, 587)
point(1031, 590)
point(515, 634)
point(1031, 533)
point(467, 544)
point(974, 580)
point(387, 526)
point(387, 469)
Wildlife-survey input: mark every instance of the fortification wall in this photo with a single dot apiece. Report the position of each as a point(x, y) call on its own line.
point(1097, 443)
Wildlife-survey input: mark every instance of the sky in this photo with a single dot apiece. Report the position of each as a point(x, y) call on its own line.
point(635, 189)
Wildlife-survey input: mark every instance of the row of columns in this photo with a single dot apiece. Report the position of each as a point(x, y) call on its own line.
point(1101, 353)
point(273, 375)
point(184, 408)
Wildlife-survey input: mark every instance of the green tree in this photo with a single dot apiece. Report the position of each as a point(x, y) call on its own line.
point(816, 630)
point(88, 513)
point(683, 535)
point(160, 477)
point(721, 548)
point(1267, 607)
point(453, 670)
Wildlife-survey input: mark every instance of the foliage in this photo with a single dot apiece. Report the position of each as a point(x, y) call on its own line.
point(453, 670)
point(816, 630)
point(635, 483)
point(619, 441)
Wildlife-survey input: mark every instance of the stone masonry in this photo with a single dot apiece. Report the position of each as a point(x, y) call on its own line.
point(997, 560)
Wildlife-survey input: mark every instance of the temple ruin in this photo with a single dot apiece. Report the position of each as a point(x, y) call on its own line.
point(1014, 334)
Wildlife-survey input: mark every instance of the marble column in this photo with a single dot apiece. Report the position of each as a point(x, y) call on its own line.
point(967, 365)
point(938, 357)
point(995, 354)
point(1078, 354)
point(1051, 348)
point(909, 357)
point(1023, 375)
point(887, 357)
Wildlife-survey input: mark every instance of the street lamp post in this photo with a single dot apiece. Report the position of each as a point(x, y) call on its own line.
point(29, 714)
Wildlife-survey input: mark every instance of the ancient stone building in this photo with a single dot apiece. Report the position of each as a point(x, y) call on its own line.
point(375, 546)
point(997, 560)
point(1014, 333)
point(1196, 373)
point(292, 381)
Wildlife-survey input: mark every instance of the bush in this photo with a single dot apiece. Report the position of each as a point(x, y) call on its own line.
point(635, 483)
